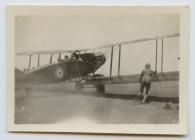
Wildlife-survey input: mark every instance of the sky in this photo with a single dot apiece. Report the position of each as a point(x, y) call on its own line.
point(78, 31)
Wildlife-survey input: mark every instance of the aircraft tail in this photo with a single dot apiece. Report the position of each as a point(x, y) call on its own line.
point(18, 72)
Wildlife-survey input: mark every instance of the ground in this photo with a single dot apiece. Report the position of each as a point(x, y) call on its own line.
point(58, 103)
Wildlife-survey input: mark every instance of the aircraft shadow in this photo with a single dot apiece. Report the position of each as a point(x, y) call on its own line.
point(134, 97)
point(120, 96)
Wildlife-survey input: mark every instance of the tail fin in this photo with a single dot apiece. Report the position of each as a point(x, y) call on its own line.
point(18, 72)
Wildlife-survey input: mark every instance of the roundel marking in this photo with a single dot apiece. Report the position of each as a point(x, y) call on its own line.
point(59, 73)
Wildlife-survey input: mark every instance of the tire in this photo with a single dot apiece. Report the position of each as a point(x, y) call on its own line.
point(100, 88)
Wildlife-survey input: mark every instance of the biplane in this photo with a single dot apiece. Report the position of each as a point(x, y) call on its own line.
point(82, 65)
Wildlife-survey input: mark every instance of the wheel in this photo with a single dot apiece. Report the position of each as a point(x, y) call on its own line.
point(78, 87)
point(100, 88)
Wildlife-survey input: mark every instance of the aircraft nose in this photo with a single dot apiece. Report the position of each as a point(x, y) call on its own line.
point(100, 57)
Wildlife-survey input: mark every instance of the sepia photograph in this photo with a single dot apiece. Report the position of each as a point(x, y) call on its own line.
point(97, 69)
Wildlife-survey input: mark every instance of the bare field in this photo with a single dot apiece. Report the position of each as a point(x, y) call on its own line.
point(58, 103)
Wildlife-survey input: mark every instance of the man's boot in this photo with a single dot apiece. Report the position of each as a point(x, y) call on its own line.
point(145, 98)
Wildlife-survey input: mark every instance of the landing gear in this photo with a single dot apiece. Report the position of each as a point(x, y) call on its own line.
point(100, 88)
point(27, 91)
point(78, 87)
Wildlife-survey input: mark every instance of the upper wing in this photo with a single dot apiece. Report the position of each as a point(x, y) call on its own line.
point(136, 41)
point(46, 52)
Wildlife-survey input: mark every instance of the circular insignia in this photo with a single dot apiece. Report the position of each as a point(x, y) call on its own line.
point(59, 73)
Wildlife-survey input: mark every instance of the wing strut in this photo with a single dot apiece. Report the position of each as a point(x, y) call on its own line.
point(38, 63)
point(29, 61)
point(156, 57)
point(51, 58)
point(111, 62)
point(119, 60)
point(162, 55)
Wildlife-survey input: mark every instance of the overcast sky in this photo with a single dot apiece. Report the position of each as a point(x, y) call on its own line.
point(93, 30)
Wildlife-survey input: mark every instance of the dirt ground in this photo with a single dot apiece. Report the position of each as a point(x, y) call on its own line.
point(58, 103)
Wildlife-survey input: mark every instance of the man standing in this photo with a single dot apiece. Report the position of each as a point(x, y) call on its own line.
point(145, 80)
point(66, 58)
point(59, 58)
